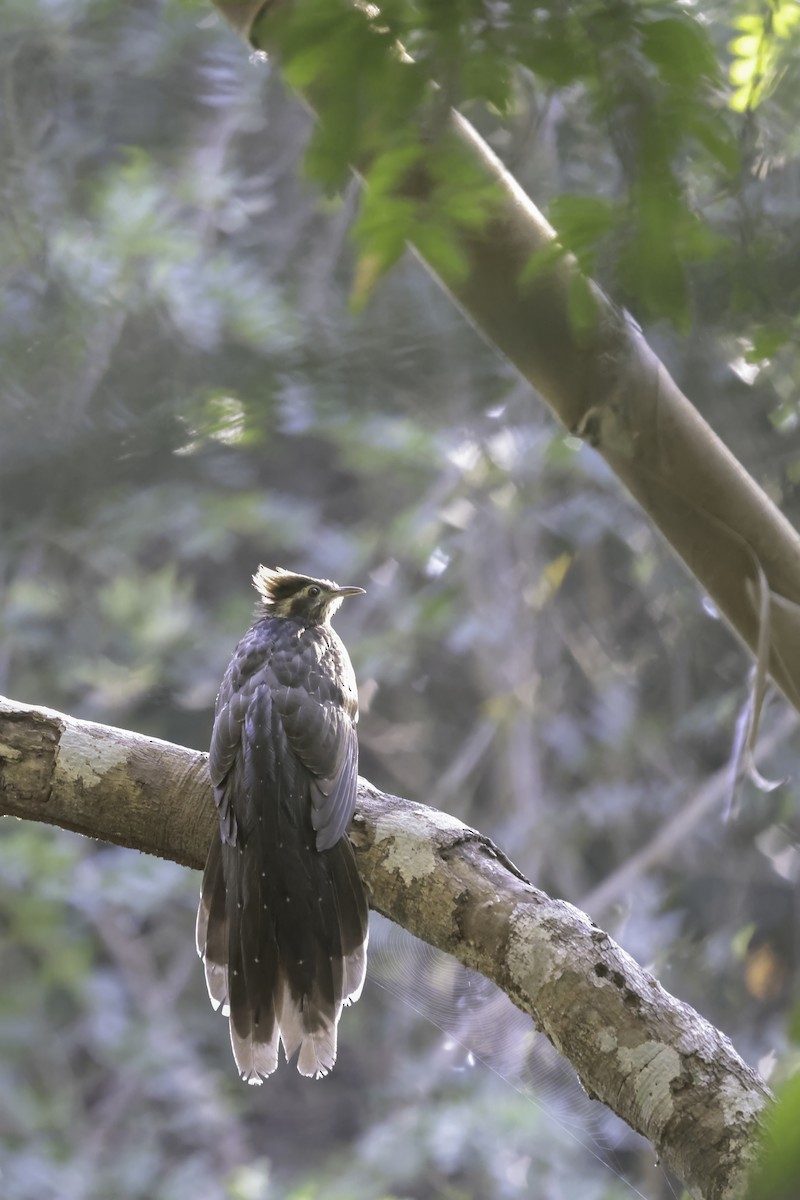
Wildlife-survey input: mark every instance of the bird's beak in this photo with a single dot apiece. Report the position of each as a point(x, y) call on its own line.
point(349, 591)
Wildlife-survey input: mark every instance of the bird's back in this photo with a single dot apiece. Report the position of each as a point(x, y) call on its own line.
point(282, 924)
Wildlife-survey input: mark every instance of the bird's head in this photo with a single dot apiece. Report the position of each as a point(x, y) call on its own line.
point(284, 594)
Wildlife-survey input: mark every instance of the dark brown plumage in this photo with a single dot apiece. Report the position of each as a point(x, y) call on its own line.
point(282, 922)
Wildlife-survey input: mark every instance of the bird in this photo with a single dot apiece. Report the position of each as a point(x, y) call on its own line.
point(282, 925)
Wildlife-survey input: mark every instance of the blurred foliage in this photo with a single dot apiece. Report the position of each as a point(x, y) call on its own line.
point(764, 52)
point(779, 1170)
point(779, 1167)
point(187, 390)
point(647, 73)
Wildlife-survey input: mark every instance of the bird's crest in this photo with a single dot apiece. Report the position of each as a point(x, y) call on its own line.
point(276, 585)
point(286, 594)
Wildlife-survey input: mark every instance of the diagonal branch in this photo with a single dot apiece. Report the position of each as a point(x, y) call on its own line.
point(603, 381)
point(651, 1058)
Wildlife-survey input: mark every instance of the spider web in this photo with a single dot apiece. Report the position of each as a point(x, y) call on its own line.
point(482, 1028)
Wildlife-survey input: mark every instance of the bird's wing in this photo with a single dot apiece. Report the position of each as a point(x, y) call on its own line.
point(323, 737)
point(245, 672)
point(319, 720)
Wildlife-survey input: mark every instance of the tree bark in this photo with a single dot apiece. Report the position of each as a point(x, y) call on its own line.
point(607, 386)
point(652, 1059)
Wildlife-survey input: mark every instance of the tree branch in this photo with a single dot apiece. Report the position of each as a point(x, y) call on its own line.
point(649, 1057)
point(607, 386)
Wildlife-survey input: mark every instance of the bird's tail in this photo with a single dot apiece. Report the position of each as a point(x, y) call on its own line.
point(284, 943)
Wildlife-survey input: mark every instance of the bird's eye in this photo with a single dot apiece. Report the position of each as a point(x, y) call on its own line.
point(314, 591)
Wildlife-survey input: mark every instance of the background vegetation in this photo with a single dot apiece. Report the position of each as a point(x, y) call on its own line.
point(197, 375)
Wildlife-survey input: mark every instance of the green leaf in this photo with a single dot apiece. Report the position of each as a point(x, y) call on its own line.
point(540, 263)
point(751, 22)
point(745, 46)
point(767, 340)
point(486, 75)
point(440, 248)
point(743, 70)
point(556, 48)
point(651, 266)
point(740, 100)
point(779, 1169)
point(710, 129)
point(681, 49)
point(582, 304)
point(304, 67)
point(391, 168)
point(581, 223)
point(786, 18)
